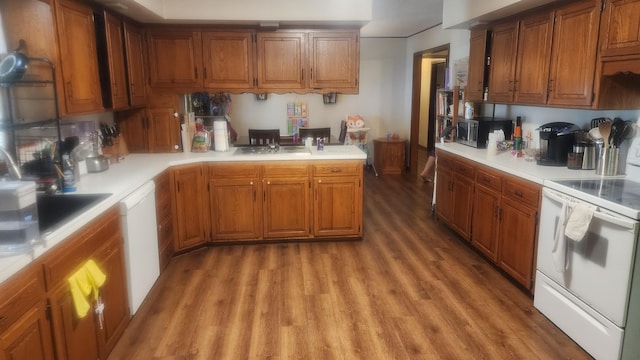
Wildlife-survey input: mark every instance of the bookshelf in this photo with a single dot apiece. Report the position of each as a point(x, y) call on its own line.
point(447, 109)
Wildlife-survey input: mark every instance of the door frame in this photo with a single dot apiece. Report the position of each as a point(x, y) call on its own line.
point(436, 52)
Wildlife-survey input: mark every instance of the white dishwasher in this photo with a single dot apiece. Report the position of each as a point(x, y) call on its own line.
point(139, 228)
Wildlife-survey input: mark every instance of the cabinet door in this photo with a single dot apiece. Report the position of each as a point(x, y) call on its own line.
point(444, 195)
point(485, 222)
point(164, 130)
point(534, 53)
point(116, 313)
point(191, 206)
point(334, 60)
point(164, 214)
point(228, 60)
point(504, 46)
point(175, 58)
point(75, 338)
point(620, 28)
point(286, 208)
point(337, 206)
point(134, 40)
point(462, 205)
point(281, 60)
point(29, 338)
point(573, 57)
point(115, 56)
point(77, 41)
point(236, 209)
point(134, 129)
point(477, 61)
point(517, 238)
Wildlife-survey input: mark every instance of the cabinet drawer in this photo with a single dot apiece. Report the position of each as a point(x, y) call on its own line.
point(444, 160)
point(465, 169)
point(341, 168)
point(225, 171)
point(20, 293)
point(79, 247)
point(489, 179)
point(287, 169)
point(522, 191)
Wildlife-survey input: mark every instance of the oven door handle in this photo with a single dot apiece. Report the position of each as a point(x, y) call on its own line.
point(601, 214)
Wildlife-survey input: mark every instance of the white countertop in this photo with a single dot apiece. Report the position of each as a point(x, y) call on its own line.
point(134, 171)
point(510, 164)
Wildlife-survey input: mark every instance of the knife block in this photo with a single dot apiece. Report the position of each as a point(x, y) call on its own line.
point(118, 150)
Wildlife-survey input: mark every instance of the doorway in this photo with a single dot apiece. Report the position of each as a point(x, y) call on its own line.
point(429, 68)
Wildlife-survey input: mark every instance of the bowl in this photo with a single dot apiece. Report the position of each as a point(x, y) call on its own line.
point(97, 164)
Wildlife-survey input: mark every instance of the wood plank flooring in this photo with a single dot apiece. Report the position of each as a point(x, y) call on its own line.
point(409, 290)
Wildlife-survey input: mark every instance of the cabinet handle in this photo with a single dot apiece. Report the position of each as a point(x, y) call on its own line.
point(319, 181)
point(254, 195)
point(3, 319)
point(132, 87)
point(496, 211)
point(195, 71)
point(550, 86)
point(204, 73)
point(336, 170)
point(518, 193)
point(250, 182)
point(311, 74)
point(515, 85)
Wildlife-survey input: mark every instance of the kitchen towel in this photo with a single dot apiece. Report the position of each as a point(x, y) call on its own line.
point(559, 250)
point(220, 135)
point(579, 220)
point(85, 284)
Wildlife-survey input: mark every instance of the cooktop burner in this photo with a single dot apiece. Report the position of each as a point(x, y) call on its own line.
point(620, 191)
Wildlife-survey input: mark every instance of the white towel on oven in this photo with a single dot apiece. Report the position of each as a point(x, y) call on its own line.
point(559, 250)
point(579, 221)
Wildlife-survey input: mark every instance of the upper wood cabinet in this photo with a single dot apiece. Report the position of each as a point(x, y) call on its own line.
point(163, 128)
point(620, 28)
point(334, 60)
point(114, 81)
point(133, 41)
point(477, 65)
point(282, 60)
point(228, 59)
point(573, 57)
point(77, 41)
point(504, 46)
point(547, 58)
point(175, 58)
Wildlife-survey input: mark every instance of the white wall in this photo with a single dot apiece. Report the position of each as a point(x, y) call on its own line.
point(381, 101)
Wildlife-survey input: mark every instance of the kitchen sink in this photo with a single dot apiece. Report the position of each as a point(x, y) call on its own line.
point(53, 210)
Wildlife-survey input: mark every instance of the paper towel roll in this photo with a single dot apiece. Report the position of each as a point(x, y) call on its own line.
point(220, 136)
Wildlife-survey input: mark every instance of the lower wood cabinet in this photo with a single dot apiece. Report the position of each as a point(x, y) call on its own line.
point(95, 335)
point(502, 213)
point(286, 205)
point(164, 218)
point(191, 206)
point(337, 199)
point(25, 330)
point(388, 155)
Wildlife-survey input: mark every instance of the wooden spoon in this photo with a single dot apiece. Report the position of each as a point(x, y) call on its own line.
point(605, 131)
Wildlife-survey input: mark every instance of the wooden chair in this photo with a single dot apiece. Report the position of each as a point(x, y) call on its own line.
point(264, 137)
point(315, 133)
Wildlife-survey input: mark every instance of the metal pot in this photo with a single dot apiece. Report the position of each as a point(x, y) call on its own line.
point(13, 67)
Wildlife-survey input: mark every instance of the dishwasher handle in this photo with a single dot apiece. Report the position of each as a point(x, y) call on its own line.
point(137, 196)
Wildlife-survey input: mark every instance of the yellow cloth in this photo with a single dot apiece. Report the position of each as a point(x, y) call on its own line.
point(85, 283)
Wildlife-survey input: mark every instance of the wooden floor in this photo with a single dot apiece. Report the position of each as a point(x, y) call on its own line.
point(409, 290)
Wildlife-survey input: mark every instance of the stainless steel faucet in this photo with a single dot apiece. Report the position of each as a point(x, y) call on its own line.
point(14, 171)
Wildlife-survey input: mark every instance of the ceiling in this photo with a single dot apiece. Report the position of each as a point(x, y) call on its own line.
point(389, 18)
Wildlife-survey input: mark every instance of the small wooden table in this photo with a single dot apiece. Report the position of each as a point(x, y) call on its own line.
point(388, 155)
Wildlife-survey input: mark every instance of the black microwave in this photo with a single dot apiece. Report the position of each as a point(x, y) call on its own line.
point(475, 132)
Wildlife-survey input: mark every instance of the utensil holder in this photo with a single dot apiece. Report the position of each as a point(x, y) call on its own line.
point(607, 162)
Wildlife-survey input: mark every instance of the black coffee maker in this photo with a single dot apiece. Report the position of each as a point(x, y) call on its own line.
point(556, 141)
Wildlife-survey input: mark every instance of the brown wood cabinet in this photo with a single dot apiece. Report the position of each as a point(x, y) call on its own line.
point(454, 192)
point(620, 28)
point(164, 217)
point(496, 211)
point(236, 201)
point(115, 83)
point(175, 58)
point(337, 199)
point(25, 332)
point(477, 65)
point(573, 56)
point(282, 60)
point(334, 60)
point(228, 59)
point(77, 42)
point(286, 200)
point(191, 206)
point(163, 130)
point(389, 155)
point(504, 47)
point(92, 336)
point(134, 128)
point(134, 49)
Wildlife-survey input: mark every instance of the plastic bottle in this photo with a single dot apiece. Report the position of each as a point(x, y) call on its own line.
point(69, 174)
point(517, 137)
